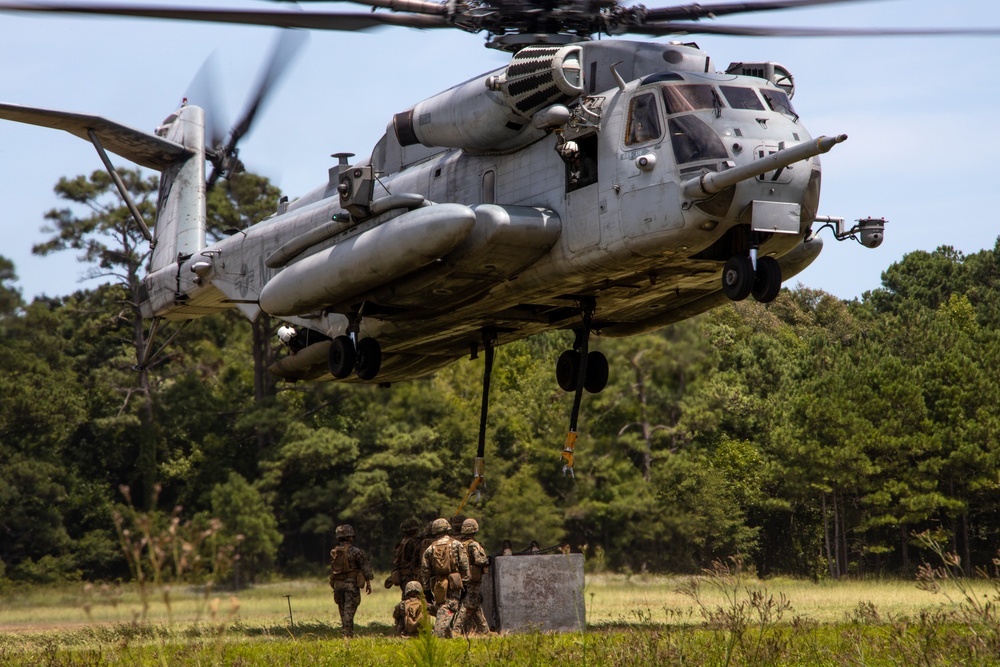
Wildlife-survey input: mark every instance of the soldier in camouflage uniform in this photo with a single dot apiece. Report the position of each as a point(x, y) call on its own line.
point(444, 570)
point(406, 557)
point(349, 572)
point(470, 618)
point(410, 613)
point(426, 539)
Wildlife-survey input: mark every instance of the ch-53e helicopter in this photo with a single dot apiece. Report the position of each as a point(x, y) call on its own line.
point(604, 186)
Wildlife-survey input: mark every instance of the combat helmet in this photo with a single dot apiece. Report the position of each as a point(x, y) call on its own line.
point(345, 530)
point(470, 527)
point(440, 526)
point(409, 526)
point(412, 588)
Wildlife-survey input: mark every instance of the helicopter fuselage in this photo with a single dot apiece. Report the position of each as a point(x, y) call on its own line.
point(596, 201)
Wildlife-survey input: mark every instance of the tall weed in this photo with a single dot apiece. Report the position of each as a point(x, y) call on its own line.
point(748, 617)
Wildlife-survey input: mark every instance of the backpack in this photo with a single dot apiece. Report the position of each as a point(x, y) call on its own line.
point(441, 558)
point(338, 560)
point(410, 556)
point(413, 609)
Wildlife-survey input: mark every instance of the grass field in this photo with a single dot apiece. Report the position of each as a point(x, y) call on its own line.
point(610, 599)
point(720, 620)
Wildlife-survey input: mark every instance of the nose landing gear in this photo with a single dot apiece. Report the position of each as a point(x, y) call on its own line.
point(766, 280)
point(740, 278)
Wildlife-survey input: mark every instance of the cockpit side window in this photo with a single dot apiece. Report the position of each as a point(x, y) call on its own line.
point(643, 120)
point(689, 97)
point(742, 98)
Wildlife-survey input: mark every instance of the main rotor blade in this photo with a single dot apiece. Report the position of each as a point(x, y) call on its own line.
point(286, 47)
point(783, 31)
point(279, 19)
point(698, 11)
point(411, 6)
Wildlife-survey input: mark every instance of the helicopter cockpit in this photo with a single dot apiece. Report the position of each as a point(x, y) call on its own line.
point(692, 138)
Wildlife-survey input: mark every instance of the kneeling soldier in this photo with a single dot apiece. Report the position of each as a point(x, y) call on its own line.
point(411, 612)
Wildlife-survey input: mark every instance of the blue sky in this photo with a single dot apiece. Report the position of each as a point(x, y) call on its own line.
point(921, 113)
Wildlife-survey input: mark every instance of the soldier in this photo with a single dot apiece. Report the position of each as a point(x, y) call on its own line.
point(410, 613)
point(406, 556)
point(444, 570)
point(349, 572)
point(426, 538)
point(470, 618)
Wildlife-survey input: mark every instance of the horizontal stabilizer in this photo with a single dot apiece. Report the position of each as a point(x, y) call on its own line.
point(142, 148)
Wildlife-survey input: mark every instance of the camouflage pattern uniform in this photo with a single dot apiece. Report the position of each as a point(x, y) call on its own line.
point(426, 539)
point(411, 590)
point(346, 585)
point(470, 618)
point(447, 607)
point(406, 557)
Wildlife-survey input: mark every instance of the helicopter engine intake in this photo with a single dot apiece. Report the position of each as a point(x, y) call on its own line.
point(493, 113)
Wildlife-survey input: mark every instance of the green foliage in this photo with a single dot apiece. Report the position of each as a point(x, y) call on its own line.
point(248, 522)
point(809, 435)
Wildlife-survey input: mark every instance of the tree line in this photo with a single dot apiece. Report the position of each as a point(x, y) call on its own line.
point(812, 436)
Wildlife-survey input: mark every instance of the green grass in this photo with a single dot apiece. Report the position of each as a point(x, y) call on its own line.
point(637, 620)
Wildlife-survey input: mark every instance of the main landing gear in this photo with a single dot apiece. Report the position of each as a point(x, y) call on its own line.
point(364, 358)
point(741, 278)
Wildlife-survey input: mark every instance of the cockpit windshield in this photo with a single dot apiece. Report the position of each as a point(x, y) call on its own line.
point(742, 98)
point(778, 101)
point(689, 97)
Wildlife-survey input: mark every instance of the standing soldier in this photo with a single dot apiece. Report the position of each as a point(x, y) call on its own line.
point(444, 570)
point(349, 573)
point(426, 538)
point(470, 618)
point(406, 556)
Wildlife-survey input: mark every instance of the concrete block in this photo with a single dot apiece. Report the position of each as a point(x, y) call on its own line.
point(535, 593)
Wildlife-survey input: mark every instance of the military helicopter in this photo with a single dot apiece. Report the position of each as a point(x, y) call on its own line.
point(607, 186)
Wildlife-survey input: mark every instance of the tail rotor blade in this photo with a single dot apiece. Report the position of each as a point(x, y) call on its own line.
point(203, 91)
point(286, 47)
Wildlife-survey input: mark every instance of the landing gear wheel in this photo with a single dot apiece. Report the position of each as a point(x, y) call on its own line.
point(737, 278)
point(342, 357)
point(767, 280)
point(369, 358)
point(597, 373)
point(567, 368)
